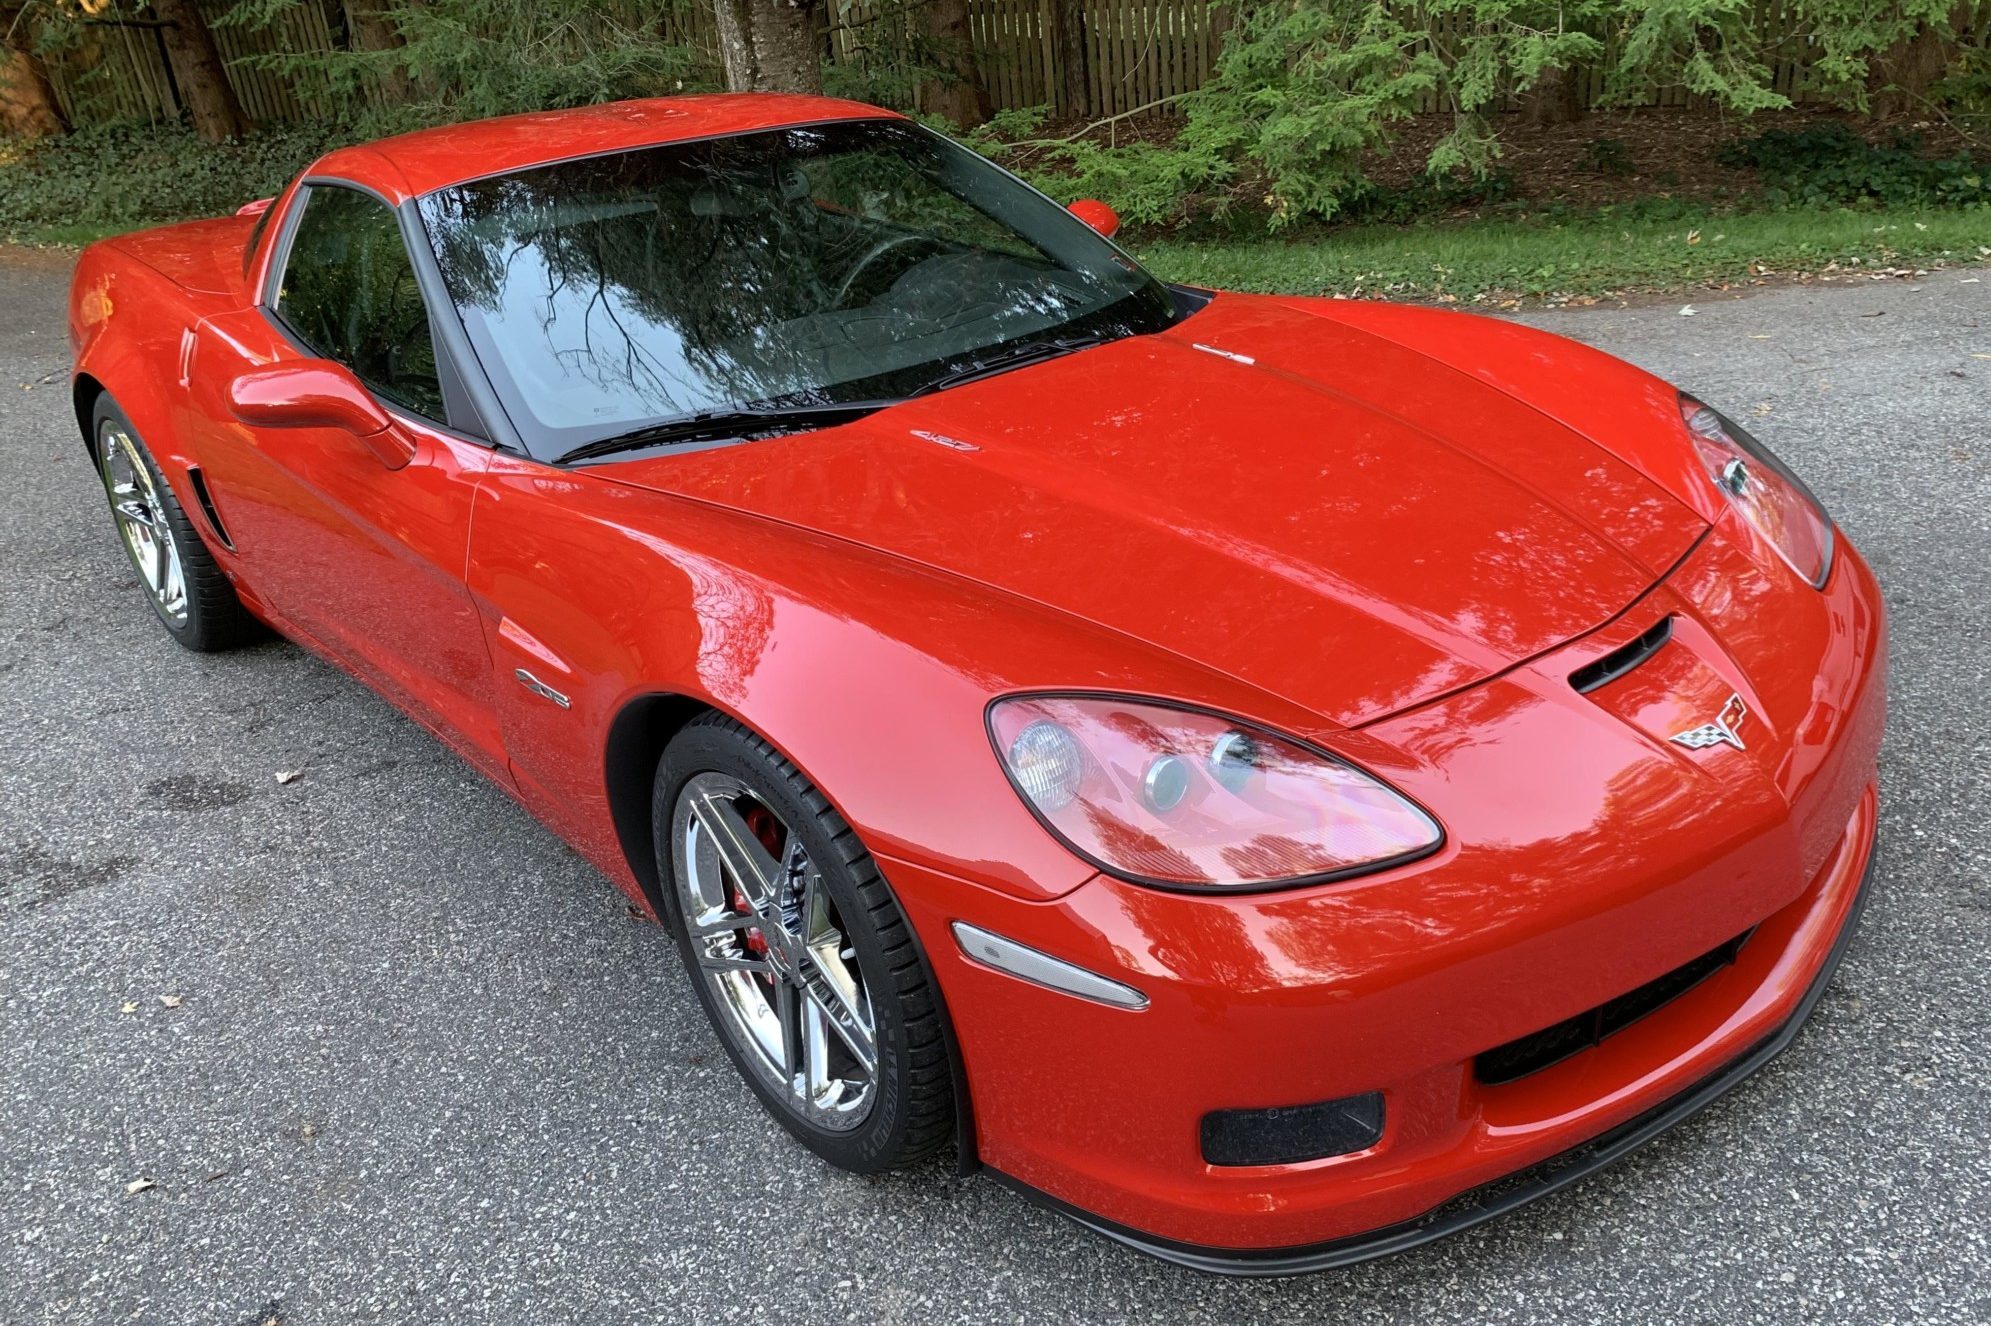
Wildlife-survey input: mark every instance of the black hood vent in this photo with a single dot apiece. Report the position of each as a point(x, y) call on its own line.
point(1623, 659)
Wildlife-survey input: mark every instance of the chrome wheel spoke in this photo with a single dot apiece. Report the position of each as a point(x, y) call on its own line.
point(161, 569)
point(815, 1050)
point(140, 514)
point(752, 868)
point(723, 923)
point(733, 962)
point(769, 945)
point(787, 1016)
point(831, 990)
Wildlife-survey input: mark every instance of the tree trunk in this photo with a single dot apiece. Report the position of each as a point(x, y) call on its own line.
point(1071, 90)
point(373, 31)
point(1554, 98)
point(1900, 77)
point(771, 45)
point(198, 72)
point(28, 108)
point(956, 92)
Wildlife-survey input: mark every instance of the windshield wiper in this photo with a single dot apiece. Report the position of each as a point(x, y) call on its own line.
point(726, 424)
point(1004, 358)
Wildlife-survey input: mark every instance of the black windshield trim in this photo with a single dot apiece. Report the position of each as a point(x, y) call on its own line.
point(648, 144)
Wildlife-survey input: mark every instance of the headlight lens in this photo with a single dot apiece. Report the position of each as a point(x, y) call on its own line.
point(1758, 486)
point(1185, 799)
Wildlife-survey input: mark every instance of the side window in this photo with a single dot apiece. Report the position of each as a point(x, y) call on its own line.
point(349, 293)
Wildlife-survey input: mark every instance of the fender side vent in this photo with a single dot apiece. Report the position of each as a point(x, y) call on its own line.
point(1623, 659)
point(206, 500)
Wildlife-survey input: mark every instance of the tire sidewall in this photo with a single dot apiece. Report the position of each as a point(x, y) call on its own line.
point(874, 1144)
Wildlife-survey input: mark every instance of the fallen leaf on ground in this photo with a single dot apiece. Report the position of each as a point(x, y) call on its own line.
point(138, 1186)
point(1686, 310)
point(170, 1001)
point(290, 775)
point(128, 1006)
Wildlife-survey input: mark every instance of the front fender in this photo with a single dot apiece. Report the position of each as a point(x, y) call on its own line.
point(872, 675)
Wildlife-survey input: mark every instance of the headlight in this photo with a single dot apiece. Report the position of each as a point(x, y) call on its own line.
point(1184, 799)
point(1758, 485)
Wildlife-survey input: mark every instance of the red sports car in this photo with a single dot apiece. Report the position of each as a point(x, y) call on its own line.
point(1277, 779)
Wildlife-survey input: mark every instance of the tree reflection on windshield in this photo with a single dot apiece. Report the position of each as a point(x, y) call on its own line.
point(838, 262)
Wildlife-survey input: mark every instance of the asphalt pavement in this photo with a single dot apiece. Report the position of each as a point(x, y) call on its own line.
point(384, 1050)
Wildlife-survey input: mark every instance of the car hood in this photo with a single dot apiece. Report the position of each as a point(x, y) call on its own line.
point(1312, 509)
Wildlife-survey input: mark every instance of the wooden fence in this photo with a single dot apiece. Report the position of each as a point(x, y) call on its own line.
point(1138, 53)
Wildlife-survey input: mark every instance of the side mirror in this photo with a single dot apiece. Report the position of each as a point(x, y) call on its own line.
point(1097, 215)
point(317, 393)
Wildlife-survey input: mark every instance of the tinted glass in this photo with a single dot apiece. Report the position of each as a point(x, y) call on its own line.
point(349, 293)
point(825, 263)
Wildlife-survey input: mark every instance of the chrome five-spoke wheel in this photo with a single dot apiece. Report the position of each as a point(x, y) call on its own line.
point(142, 521)
point(771, 947)
point(802, 958)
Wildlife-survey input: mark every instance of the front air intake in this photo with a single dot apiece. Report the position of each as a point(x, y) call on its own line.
point(1551, 1045)
point(1289, 1135)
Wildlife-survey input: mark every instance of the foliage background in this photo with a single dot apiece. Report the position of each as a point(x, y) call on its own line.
point(1291, 114)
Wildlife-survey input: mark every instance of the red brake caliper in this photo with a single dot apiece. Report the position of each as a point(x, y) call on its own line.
point(765, 827)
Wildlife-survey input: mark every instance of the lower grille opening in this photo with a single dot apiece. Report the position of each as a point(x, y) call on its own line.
point(1551, 1045)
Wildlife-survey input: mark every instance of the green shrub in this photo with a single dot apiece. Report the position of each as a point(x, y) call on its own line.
point(1831, 164)
point(1608, 156)
point(469, 59)
point(124, 176)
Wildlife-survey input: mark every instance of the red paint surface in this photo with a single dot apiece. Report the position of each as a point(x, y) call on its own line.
point(1392, 531)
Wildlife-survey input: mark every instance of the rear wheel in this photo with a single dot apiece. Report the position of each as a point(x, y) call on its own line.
point(188, 591)
point(801, 957)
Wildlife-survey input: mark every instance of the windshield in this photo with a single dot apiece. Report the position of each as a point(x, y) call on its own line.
point(828, 263)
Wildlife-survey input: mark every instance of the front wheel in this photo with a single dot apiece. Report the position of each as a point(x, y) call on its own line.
point(801, 957)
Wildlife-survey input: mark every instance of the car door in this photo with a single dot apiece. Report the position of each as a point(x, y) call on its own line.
point(360, 555)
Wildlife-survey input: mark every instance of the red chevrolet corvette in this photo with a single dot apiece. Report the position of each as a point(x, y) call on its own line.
point(1277, 779)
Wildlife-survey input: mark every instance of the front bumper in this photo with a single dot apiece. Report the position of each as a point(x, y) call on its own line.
point(1587, 856)
point(1500, 1196)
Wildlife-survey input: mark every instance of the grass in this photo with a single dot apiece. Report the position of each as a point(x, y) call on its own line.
point(62, 236)
point(1578, 258)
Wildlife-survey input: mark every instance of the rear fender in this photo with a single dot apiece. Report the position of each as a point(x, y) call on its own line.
point(130, 333)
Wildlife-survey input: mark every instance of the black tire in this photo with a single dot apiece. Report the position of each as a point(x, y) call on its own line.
point(213, 618)
point(911, 1110)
